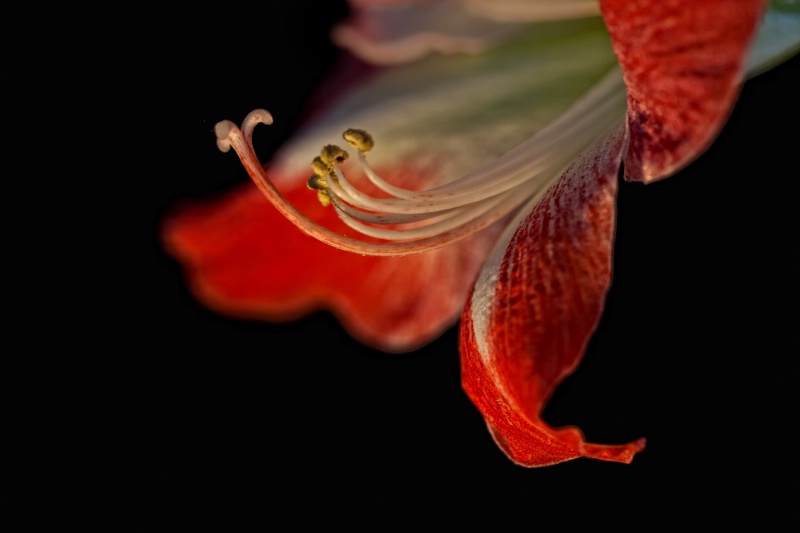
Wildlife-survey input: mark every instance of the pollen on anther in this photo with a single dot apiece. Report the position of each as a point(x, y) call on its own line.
point(359, 139)
point(331, 154)
point(320, 168)
point(318, 183)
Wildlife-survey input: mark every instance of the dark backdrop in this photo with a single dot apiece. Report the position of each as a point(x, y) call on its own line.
point(162, 416)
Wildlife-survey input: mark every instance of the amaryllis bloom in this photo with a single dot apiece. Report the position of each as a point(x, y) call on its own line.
point(476, 181)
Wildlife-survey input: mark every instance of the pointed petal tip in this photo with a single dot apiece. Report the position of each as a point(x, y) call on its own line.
point(622, 453)
point(540, 445)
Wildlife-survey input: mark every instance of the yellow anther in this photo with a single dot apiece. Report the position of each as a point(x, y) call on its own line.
point(320, 168)
point(331, 154)
point(359, 139)
point(324, 198)
point(318, 183)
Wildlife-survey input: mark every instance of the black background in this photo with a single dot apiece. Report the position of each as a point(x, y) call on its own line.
point(144, 411)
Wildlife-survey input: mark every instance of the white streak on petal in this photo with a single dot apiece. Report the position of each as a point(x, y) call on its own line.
point(610, 88)
point(532, 10)
point(406, 49)
point(483, 295)
point(394, 34)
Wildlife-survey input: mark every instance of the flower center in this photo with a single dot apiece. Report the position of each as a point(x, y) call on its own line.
point(414, 221)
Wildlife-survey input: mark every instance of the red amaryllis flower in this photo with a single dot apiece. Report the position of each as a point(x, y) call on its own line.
point(485, 188)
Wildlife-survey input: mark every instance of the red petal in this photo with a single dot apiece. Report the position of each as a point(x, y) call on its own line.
point(526, 326)
point(683, 64)
point(244, 259)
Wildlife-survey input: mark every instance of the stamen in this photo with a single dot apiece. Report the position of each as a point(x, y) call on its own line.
point(363, 142)
point(492, 208)
point(229, 136)
point(416, 221)
point(359, 139)
point(577, 128)
point(386, 218)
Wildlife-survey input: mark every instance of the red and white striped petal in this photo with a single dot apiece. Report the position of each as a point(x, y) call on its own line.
point(683, 65)
point(534, 307)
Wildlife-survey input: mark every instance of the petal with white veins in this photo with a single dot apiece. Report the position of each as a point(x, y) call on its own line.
point(534, 307)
